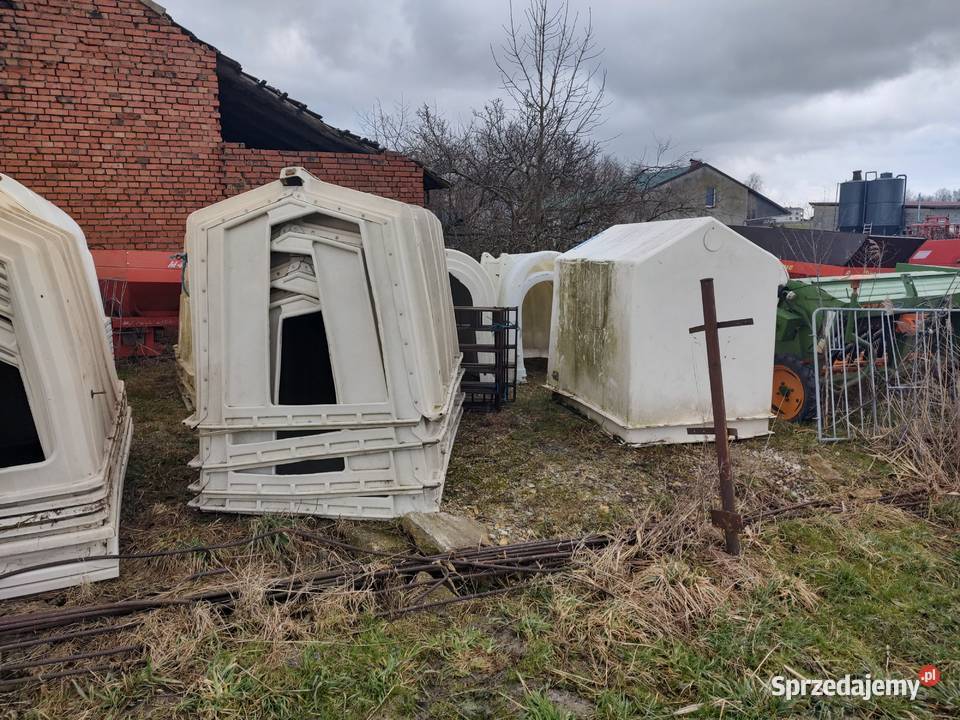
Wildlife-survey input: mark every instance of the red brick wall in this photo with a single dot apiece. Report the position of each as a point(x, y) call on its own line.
point(389, 174)
point(111, 112)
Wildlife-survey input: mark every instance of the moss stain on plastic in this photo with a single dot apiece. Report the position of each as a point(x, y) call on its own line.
point(585, 341)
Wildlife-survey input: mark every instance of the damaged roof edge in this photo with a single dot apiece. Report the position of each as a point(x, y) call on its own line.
point(273, 120)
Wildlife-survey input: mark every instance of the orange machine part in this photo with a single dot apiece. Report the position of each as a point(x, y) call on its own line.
point(788, 392)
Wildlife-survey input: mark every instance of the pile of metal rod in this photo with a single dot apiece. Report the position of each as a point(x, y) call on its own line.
point(468, 574)
point(914, 501)
point(399, 584)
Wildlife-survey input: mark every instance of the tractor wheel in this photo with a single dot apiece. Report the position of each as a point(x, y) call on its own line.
point(794, 389)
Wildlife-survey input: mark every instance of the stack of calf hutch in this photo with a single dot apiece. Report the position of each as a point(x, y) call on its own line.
point(323, 352)
point(523, 281)
point(65, 426)
point(621, 348)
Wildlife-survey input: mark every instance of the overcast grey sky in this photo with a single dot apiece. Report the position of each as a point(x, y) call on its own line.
point(799, 91)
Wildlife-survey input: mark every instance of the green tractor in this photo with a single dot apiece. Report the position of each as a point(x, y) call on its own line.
point(794, 394)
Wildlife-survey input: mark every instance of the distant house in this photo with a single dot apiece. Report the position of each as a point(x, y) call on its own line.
point(795, 215)
point(701, 189)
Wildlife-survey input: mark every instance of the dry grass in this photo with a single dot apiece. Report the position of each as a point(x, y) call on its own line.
point(639, 629)
point(923, 442)
point(910, 413)
point(663, 584)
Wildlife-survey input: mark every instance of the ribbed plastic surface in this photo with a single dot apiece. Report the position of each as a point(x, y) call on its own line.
point(323, 352)
point(60, 500)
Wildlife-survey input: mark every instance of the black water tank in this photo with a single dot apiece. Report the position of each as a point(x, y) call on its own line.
point(884, 204)
point(850, 209)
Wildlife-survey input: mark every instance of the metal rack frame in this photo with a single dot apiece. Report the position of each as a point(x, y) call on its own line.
point(488, 341)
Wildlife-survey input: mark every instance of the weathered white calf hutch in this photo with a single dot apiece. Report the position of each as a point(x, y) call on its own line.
point(325, 354)
point(621, 351)
point(64, 422)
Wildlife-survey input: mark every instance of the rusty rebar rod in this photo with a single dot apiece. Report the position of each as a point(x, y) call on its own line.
point(44, 677)
point(39, 662)
point(66, 637)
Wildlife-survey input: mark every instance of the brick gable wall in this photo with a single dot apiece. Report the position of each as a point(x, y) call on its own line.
point(387, 174)
point(111, 111)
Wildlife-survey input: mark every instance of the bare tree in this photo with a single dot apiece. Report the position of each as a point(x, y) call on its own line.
point(526, 172)
point(549, 69)
point(755, 182)
point(941, 195)
point(946, 195)
point(392, 129)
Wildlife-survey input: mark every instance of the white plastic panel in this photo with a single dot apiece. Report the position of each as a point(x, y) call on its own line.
point(525, 281)
point(246, 263)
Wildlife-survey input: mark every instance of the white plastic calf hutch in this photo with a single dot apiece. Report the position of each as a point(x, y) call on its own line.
point(525, 281)
point(65, 426)
point(325, 355)
point(470, 286)
point(621, 350)
point(469, 283)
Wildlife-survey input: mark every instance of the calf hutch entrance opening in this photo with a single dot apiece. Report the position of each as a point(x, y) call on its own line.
point(535, 314)
point(323, 352)
point(466, 327)
point(523, 281)
point(19, 440)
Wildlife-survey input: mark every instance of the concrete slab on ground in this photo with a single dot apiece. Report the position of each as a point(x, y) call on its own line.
point(442, 532)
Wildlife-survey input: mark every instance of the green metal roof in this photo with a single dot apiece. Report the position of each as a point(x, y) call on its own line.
point(653, 178)
point(897, 288)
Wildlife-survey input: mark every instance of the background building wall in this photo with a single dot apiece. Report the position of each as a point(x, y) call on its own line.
point(388, 174)
point(732, 202)
point(760, 207)
point(111, 111)
point(825, 213)
point(911, 214)
point(824, 216)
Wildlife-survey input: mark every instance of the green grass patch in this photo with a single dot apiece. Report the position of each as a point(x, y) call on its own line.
point(873, 590)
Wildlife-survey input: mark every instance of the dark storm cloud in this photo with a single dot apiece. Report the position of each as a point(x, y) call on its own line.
point(799, 91)
point(738, 50)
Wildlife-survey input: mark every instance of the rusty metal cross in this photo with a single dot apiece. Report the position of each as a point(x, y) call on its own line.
point(728, 519)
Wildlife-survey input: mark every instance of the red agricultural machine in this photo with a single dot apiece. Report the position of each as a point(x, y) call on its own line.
point(935, 227)
point(141, 296)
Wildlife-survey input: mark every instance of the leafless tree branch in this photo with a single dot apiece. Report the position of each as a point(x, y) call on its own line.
point(526, 172)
